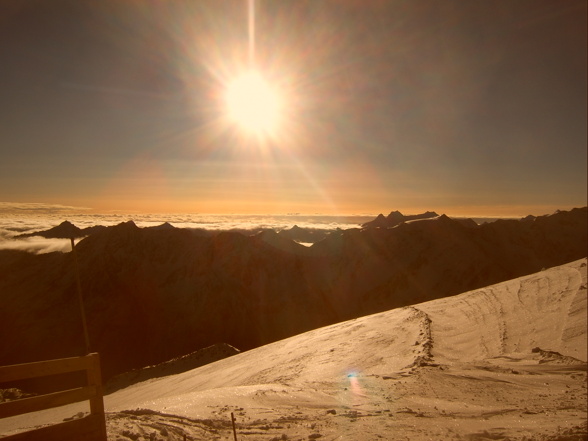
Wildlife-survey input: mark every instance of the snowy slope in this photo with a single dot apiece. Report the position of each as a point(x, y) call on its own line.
point(504, 362)
point(546, 310)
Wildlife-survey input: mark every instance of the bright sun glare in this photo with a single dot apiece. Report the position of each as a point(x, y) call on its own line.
point(253, 104)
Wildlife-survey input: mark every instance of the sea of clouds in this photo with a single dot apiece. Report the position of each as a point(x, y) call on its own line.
point(21, 218)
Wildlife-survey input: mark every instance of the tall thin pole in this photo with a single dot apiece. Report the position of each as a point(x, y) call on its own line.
point(234, 429)
point(80, 299)
point(251, 11)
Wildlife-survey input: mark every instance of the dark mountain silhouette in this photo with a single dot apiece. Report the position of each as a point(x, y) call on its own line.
point(65, 230)
point(396, 218)
point(152, 294)
point(307, 235)
point(163, 226)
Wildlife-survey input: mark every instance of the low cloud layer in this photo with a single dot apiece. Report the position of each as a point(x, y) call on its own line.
point(37, 245)
point(17, 219)
point(40, 217)
point(36, 207)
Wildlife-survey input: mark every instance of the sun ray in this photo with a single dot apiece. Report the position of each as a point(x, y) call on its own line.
point(251, 11)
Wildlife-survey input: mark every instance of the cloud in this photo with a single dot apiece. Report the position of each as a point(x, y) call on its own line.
point(17, 219)
point(37, 245)
point(39, 207)
point(12, 226)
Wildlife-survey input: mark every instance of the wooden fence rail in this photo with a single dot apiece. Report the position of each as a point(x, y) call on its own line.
point(91, 427)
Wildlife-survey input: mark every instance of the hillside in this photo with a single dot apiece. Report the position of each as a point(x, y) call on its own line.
point(504, 362)
point(152, 294)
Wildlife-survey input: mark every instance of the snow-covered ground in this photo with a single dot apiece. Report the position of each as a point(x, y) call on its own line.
point(503, 362)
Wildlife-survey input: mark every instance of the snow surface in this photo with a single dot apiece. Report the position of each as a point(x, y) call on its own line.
point(503, 362)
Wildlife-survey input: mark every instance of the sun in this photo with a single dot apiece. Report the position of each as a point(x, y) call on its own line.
point(253, 104)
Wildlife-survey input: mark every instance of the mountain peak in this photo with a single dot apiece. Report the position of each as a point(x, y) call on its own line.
point(127, 225)
point(163, 226)
point(395, 215)
point(396, 218)
point(65, 230)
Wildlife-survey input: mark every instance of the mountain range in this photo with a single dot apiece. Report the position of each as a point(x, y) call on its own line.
point(396, 218)
point(152, 294)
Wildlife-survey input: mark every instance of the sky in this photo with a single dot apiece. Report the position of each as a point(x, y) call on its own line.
point(462, 107)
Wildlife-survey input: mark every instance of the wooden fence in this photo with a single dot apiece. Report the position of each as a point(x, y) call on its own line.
point(91, 427)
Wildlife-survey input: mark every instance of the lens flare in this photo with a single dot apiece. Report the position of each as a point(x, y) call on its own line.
point(353, 393)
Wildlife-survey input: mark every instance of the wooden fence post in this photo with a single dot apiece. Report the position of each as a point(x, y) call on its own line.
point(94, 376)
